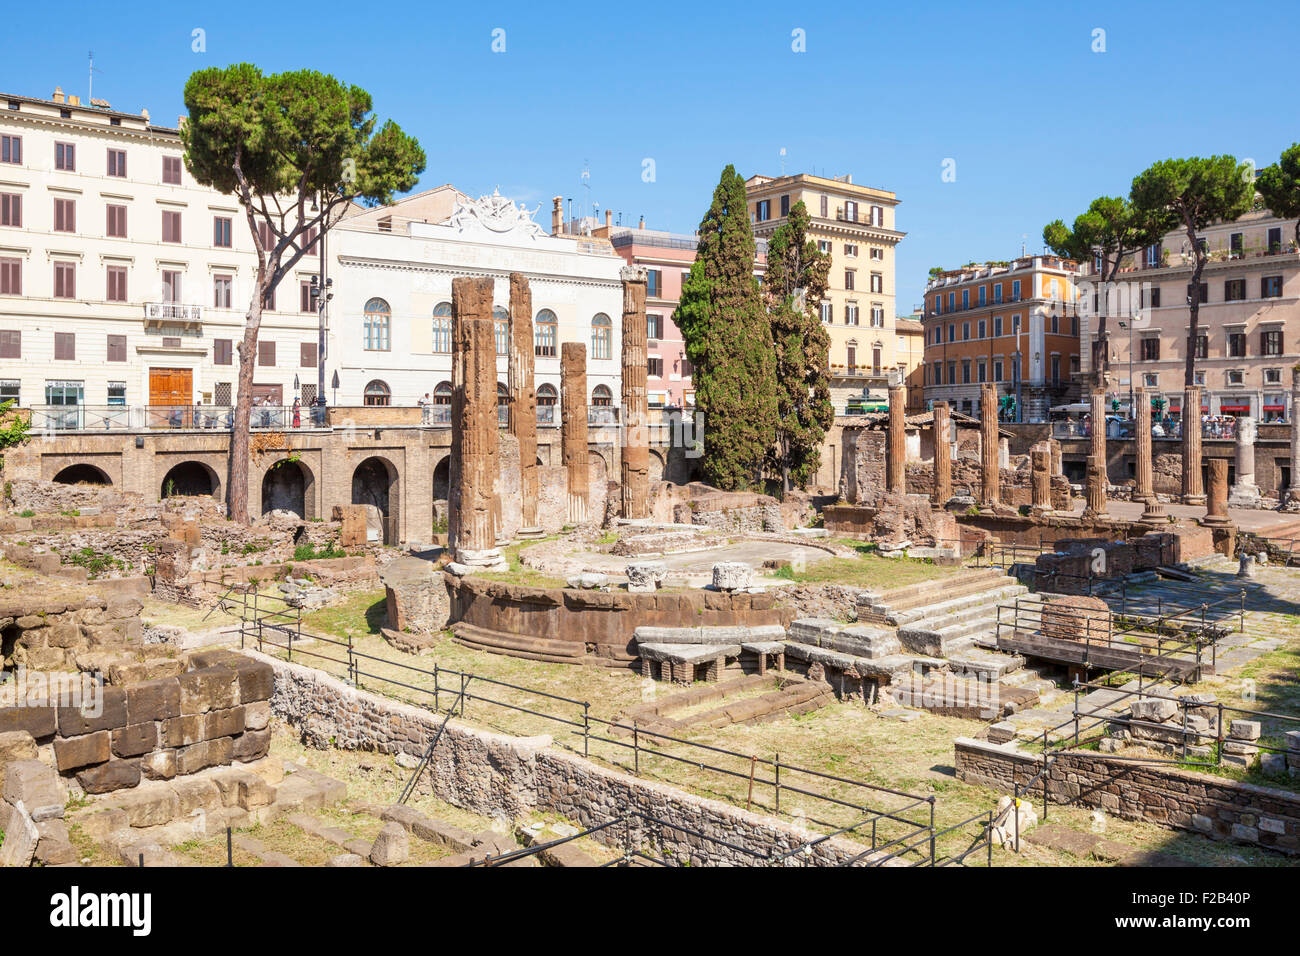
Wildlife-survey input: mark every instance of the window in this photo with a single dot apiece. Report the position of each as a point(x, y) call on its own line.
point(1150, 350)
point(171, 285)
point(877, 215)
point(981, 371)
point(1198, 378)
point(952, 301)
point(171, 171)
point(546, 395)
point(848, 279)
point(1202, 346)
point(983, 295)
point(952, 373)
point(442, 394)
point(116, 348)
point(376, 326)
point(501, 330)
point(1234, 290)
point(11, 344)
point(877, 317)
point(1275, 239)
point(221, 287)
point(11, 277)
point(851, 355)
point(304, 296)
point(171, 226)
point(11, 150)
point(223, 352)
point(65, 346)
point(307, 354)
point(1205, 292)
point(602, 397)
point(115, 277)
point(826, 207)
point(377, 393)
point(602, 337)
point(1270, 287)
point(1150, 379)
point(850, 313)
point(654, 367)
point(545, 334)
point(1234, 377)
point(937, 374)
point(1271, 342)
point(965, 331)
point(763, 210)
point(117, 394)
point(980, 329)
point(997, 370)
point(851, 211)
point(997, 293)
point(1236, 345)
point(878, 254)
point(11, 209)
point(952, 332)
point(1272, 376)
point(65, 157)
point(828, 312)
point(65, 280)
point(965, 299)
point(997, 325)
point(115, 224)
point(654, 326)
point(785, 205)
point(117, 163)
point(851, 250)
point(965, 371)
point(64, 393)
point(221, 232)
point(442, 327)
point(266, 354)
point(65, 215)
point(1155, 297)
point(824, 246)
point(310, 243)
point(654, 279)
point(1015, 290)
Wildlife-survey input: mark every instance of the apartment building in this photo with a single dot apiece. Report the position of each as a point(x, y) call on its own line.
point(910, 346)
point(855, 225)
point(123, 282)
point(1015, 324)
point(1249, 321)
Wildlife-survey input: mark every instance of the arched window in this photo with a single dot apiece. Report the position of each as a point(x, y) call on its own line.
point(442, 394)
point(501, 329)
point(377, 393)
point(377, 320)
point(547, 399)
point(602, 336)
point(546, 333)
point(602, 397)
point(503, 404)
point(442, 327)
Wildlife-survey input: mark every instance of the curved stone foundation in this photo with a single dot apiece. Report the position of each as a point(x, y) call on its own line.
point(568, 625)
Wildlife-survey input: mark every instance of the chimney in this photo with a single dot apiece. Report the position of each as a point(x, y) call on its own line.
point(144, 113)
point(557, 215)
point(74, 100)
point(641, 224)
point(609, 221)
point(58, 94)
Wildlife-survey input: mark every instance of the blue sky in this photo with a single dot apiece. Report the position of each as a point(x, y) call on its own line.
point(1038, 124)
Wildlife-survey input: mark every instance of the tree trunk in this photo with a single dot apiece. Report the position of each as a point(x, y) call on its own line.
point(240, 437)
point(1194, 314)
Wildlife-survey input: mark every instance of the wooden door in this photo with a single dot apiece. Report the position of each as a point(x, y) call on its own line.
point(171, 386)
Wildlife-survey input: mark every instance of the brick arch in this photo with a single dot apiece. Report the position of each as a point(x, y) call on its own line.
point(188, 477)
point(376, 480)
point(83, 473)
point(288, 483)
point(658, 466)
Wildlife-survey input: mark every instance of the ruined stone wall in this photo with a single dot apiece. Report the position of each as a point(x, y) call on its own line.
point(47, 630)
point(1216, 807)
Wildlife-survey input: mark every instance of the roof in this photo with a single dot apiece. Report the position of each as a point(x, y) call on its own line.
point(878, 420)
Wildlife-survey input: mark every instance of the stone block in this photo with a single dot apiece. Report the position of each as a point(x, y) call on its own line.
point(15, 745)
point(183, 731)
point(392, 846)
point(116, 774)
point(732, 576)
point(153, 700)
point(195, 793)
point(159, 765)
point(212, 688)
point(1154, 710)
point(21, 836)
point(36, 786)
point(150, 806)
point(645, 577)
point(54, 848)
point(87, 750)
point(39, 721)
point(1244, 833)
point(105, 711)
point(1244, 730)
point(257, 715)
point(250, 745)
point(135, 739)
point(209, 753)
point(252, 792)
point(223, 723)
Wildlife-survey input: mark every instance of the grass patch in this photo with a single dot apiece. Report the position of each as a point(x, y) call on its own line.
point(868, 570)
point(361, 612)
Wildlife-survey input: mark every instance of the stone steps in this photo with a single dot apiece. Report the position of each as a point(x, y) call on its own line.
point(987, 597)
point(924, 593)
point(532, 648)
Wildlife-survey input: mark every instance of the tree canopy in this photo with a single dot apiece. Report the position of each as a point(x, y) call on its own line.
point(1279, 186)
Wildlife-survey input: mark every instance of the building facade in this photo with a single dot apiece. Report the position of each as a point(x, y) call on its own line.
point(1249, 319)
point(855, 225)
point(1015, 324)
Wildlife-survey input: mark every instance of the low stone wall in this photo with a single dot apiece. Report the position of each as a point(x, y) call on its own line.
point(568, 624)
point(501, 776)
point(1212, 806)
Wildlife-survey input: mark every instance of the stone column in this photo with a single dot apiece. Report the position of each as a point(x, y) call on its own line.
point(1192, 491)
point(573, 428)
point(472, 504)
point(1245, 493)
point(1040, 457)
point(636, 437)
point(1153, 512)
point(942, 456)
point(1217, 502)
point(1096, 488)
point(523, 398)
point(1291, 497)
point(1058, 465)
point(1097, 440)
point(989, 450)
point(896, 455)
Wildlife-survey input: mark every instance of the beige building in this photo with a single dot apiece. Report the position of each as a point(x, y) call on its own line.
point(855, 224)
point(1249, 320)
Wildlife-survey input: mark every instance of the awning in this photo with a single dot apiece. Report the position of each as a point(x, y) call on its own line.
point(1235, 409)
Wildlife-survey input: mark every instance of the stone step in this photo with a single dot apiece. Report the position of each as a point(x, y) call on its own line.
point(924, 592)
point(986, 597)
point(533, 648)
point(943, 635)
point(859, 640)
point(740, 634)
point(885, 667)
point(986, 666)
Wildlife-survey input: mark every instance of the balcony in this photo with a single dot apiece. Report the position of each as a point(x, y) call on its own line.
point(172, 312)
point(862, 372)
point(602, 415)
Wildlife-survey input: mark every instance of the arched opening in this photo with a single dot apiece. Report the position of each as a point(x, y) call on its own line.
point(601, 411)
point(442, 328)
point(82, 474)
point(503, 405)
point(501, 329)
point(287, 486)
point(8, 646)
point(547, 399)
point(442, 479)
point(602, 336)
point(378, 393)
point(656, 467)
point(546, 334)
point(189, 479)
point(599, 472)
point(377, 326)
point(374, 483)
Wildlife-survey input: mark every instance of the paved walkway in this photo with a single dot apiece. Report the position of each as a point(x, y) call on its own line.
point(1270, 523)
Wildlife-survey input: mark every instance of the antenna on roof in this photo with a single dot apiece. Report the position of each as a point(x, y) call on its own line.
point(90, 91)
point(782, 160)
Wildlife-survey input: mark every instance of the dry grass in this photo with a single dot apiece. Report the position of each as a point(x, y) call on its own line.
point(867, 570)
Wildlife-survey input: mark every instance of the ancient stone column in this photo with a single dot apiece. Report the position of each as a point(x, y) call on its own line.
point(1095, 506)
point(1040, 458)
point(1192, 492)
point(896, 455)
point(988, 446)
point(1058, 465)
point(523, 398)
point(1291, 498)
point(573, 428)
point(636, 436)
point(472, 493)
point(1153, 512)
point(1245, 493)
point(1217, 501)
point(1097, 440)
point(942, 490)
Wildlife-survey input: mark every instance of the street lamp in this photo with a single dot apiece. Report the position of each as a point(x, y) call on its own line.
point(1132, 411)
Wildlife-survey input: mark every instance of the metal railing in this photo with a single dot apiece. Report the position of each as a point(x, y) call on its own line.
point(48, 419)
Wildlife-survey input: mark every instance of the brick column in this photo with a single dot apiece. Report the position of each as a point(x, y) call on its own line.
point(896, 455)
point(1291, 499)
point(942, 456)
point(472, 493)
point(636, 439)
point(988, 446)
point(1192, 491)
point(1041, 477)
point(573, 428)
point(523, 398)
point(1216, 503)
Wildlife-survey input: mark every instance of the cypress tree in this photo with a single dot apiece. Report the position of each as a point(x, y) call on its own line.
point(797, 273)
point(729, 341)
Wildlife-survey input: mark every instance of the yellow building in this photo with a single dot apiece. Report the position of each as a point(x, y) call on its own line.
point(855, 224)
